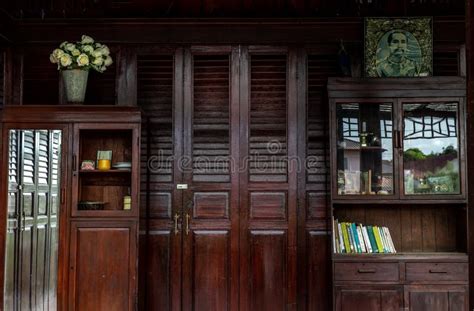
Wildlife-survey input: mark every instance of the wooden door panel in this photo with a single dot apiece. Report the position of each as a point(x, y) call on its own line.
point(268, 285)
point(318, 276)
point(368, 299)
point(211, 280)
point(26, 264)
point(268, 205)
point(436, 298)
point(102, 254)
point(159, 275)
point(211, 205)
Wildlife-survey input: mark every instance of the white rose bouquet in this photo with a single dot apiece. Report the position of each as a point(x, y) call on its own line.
point(84, 55)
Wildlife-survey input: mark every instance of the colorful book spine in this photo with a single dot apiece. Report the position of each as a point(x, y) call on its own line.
point(378, 239)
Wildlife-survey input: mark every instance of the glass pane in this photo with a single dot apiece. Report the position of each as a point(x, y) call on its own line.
point(431, 148)
point(364, 149)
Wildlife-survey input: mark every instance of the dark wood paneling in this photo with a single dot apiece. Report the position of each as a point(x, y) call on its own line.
point(268, 119)
point(104, 255)
point(369, 299)
point(230, 8)
point(436, 298)
point(318, 275)
point(213, 205)
point(316, 205)
point(211, 150)
point(155, 75)
point(156, 268)
point(101, 86)
point(268, 205)
point(211, 280)
point(160, 205)
point(40, 77)
point(268, 287)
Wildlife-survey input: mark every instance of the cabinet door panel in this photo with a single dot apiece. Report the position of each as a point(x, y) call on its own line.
point(368, 299)
point(436, 298)
point(103, 254)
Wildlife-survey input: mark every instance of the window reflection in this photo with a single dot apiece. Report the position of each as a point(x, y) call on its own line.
point(431, 148)
point(364, 149)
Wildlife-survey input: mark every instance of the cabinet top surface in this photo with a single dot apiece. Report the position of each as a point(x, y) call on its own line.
point(66, 114)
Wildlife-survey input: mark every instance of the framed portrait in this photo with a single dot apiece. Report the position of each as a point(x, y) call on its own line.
point(398, 47)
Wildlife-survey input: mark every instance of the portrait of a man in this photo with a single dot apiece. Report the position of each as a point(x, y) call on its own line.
point(398, 47)
point(396, 57)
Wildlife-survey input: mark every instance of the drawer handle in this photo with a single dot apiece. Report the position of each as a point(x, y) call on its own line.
point(438, 271)
point(366, 270)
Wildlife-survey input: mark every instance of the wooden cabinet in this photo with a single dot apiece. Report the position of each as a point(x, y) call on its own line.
point(398, 161)
point(97, 244)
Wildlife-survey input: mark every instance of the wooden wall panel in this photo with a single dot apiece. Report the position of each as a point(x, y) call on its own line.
point(2, 78)
point(40, 77)
point(268, 264)
point(211, 279)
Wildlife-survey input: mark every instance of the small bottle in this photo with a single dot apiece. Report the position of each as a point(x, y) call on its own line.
point(127, 201)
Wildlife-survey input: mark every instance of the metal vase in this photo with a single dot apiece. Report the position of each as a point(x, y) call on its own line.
point(75, 84)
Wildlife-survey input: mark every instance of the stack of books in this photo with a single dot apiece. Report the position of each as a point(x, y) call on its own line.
point(352, 238)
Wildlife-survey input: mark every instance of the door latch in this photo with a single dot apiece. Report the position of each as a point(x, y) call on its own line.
point(181, 186)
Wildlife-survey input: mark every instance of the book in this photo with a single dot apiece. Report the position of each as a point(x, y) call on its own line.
point(366, 239)
point(373, 243)
point(341, 239)
point(357, 246)
point(361, 238)
point(346, 238)
point(378, 239)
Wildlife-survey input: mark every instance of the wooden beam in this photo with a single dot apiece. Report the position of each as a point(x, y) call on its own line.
point(209, 31)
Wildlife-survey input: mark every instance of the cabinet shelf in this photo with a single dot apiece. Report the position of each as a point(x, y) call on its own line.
point(92, 172)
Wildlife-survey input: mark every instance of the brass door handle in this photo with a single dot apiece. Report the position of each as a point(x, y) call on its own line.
point(176, 218)
point(187, 223)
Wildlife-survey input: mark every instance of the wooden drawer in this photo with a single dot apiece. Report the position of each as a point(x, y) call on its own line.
point(366, 271)
point(424, 271)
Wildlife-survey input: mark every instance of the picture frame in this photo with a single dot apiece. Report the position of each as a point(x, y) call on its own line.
point(398, 47)
point(88, 165)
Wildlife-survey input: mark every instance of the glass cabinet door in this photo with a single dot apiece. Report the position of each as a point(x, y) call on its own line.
point(431, 153)
point(364, 151)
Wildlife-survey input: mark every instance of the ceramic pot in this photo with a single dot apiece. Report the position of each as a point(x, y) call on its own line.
point(75, 84)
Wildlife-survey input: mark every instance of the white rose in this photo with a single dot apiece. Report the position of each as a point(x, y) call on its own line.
point(98, 45)
point(97, 53)
point(98, 61)
point(105, 50)
point(76, 52)
point(62, 45)
point(70, 46)
point(83, 60)
point(65, 60)
point(88, 48)
point(53, 59)
point(86, 39)
point(58, 53)
point(108, 61)
point(103, 68)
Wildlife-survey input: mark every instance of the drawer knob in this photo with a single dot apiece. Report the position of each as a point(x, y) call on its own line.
point(366, 270)
point(437, 271)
